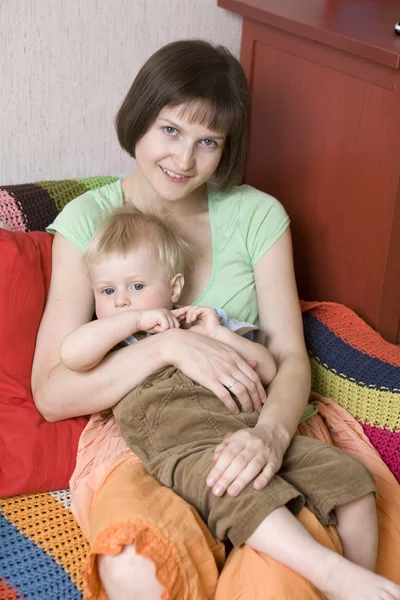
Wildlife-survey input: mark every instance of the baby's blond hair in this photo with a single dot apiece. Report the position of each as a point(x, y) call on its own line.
point(126, 228)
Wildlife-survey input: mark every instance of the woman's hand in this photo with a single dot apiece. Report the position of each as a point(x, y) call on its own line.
point(215, 366)
point(249, 455)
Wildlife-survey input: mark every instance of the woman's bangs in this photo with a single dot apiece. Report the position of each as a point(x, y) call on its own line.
point(215, 116)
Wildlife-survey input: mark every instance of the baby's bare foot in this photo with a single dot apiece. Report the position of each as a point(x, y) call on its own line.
point(347, 581)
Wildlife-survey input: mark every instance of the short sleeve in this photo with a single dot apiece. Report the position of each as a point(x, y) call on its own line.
point(262, 219)
point(80, 218)
point(77, 221)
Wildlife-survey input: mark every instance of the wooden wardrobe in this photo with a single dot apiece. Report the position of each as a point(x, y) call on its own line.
point(325, 140)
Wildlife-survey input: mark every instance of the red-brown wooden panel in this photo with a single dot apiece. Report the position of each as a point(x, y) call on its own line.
point(325, 139)
point(359, 27)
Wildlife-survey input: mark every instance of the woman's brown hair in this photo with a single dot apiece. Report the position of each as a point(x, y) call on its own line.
point(209, 81)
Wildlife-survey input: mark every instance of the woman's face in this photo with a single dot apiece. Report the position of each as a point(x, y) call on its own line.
point(176, 156)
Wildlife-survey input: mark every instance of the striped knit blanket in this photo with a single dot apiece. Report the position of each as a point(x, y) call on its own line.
point(33, 206)
point(354, 366)
point(42, 548)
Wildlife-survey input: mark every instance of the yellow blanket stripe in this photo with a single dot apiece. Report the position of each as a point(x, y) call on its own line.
point(372, 406)
point(52, 528)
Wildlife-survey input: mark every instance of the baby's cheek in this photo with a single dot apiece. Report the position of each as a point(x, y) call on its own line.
point(101, 308)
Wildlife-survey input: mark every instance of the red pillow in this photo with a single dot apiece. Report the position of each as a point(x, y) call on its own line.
point(35, 456)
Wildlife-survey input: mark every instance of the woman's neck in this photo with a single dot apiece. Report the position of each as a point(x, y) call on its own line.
point(137, 191)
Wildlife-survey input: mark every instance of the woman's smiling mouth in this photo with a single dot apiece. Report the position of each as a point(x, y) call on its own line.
point(174, 177)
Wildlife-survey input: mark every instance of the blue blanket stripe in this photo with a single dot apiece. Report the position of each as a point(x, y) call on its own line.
point(347, 360)
point(30, 570)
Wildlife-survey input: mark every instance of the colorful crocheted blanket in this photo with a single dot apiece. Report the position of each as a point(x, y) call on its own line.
point(354, 366)
point(42, 548)
point(33, 206)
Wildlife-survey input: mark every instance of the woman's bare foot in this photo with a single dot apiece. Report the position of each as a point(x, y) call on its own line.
point(347, 581)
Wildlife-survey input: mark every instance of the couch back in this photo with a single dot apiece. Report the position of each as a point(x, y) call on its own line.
point(33, 206)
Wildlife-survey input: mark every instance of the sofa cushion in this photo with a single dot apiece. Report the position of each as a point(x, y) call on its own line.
point(352, 364)
point(34, 455)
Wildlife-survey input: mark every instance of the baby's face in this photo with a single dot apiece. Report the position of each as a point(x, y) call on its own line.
point(137, 281)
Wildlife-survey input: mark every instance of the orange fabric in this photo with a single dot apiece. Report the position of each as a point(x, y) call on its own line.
point(101, 450)
point(187, 557)
point(250, 575)
point(335, 425)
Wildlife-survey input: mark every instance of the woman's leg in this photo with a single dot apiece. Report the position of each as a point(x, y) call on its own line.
point(171, 543)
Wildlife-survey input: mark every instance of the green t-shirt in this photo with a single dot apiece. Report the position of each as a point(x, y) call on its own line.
point(245, 223)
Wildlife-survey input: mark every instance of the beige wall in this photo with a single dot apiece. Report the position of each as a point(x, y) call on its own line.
point(65, 66)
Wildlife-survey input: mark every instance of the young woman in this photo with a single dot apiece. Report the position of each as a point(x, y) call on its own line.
point(185, 120)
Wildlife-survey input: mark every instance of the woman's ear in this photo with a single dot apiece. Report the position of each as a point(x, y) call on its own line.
point(176, 287)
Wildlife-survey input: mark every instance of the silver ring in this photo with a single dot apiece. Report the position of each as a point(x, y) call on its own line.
point(232, 384)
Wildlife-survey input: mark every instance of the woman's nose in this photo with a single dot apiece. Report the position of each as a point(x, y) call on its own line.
point(184, 158)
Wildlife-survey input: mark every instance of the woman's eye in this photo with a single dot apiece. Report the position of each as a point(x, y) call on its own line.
point(210, 143)
point(138, 286)
point(170, 130)
point(108, 291)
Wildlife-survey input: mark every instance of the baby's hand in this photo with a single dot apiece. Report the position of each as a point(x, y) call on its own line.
point(200, 319)
point(156, 320)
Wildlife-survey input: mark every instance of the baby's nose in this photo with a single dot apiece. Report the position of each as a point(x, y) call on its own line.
point(121, 300)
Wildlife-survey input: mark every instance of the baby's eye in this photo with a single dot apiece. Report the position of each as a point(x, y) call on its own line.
point(170, 130)
point(138, 286)
point(210, 143)
point(108, 291)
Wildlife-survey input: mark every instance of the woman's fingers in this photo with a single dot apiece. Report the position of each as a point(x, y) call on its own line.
point(219, 449)
point(239, 389)
point(246, 476)
point(237, 475)
point(246, 392)
point(232, 474)
point(222, 393)
point(247, 387)
point(240, 459)
point(265, 476)
point(219, 477)
point(249, 394)
point(255, 387)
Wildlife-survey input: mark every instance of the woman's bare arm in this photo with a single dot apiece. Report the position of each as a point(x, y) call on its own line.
point(280, 319)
